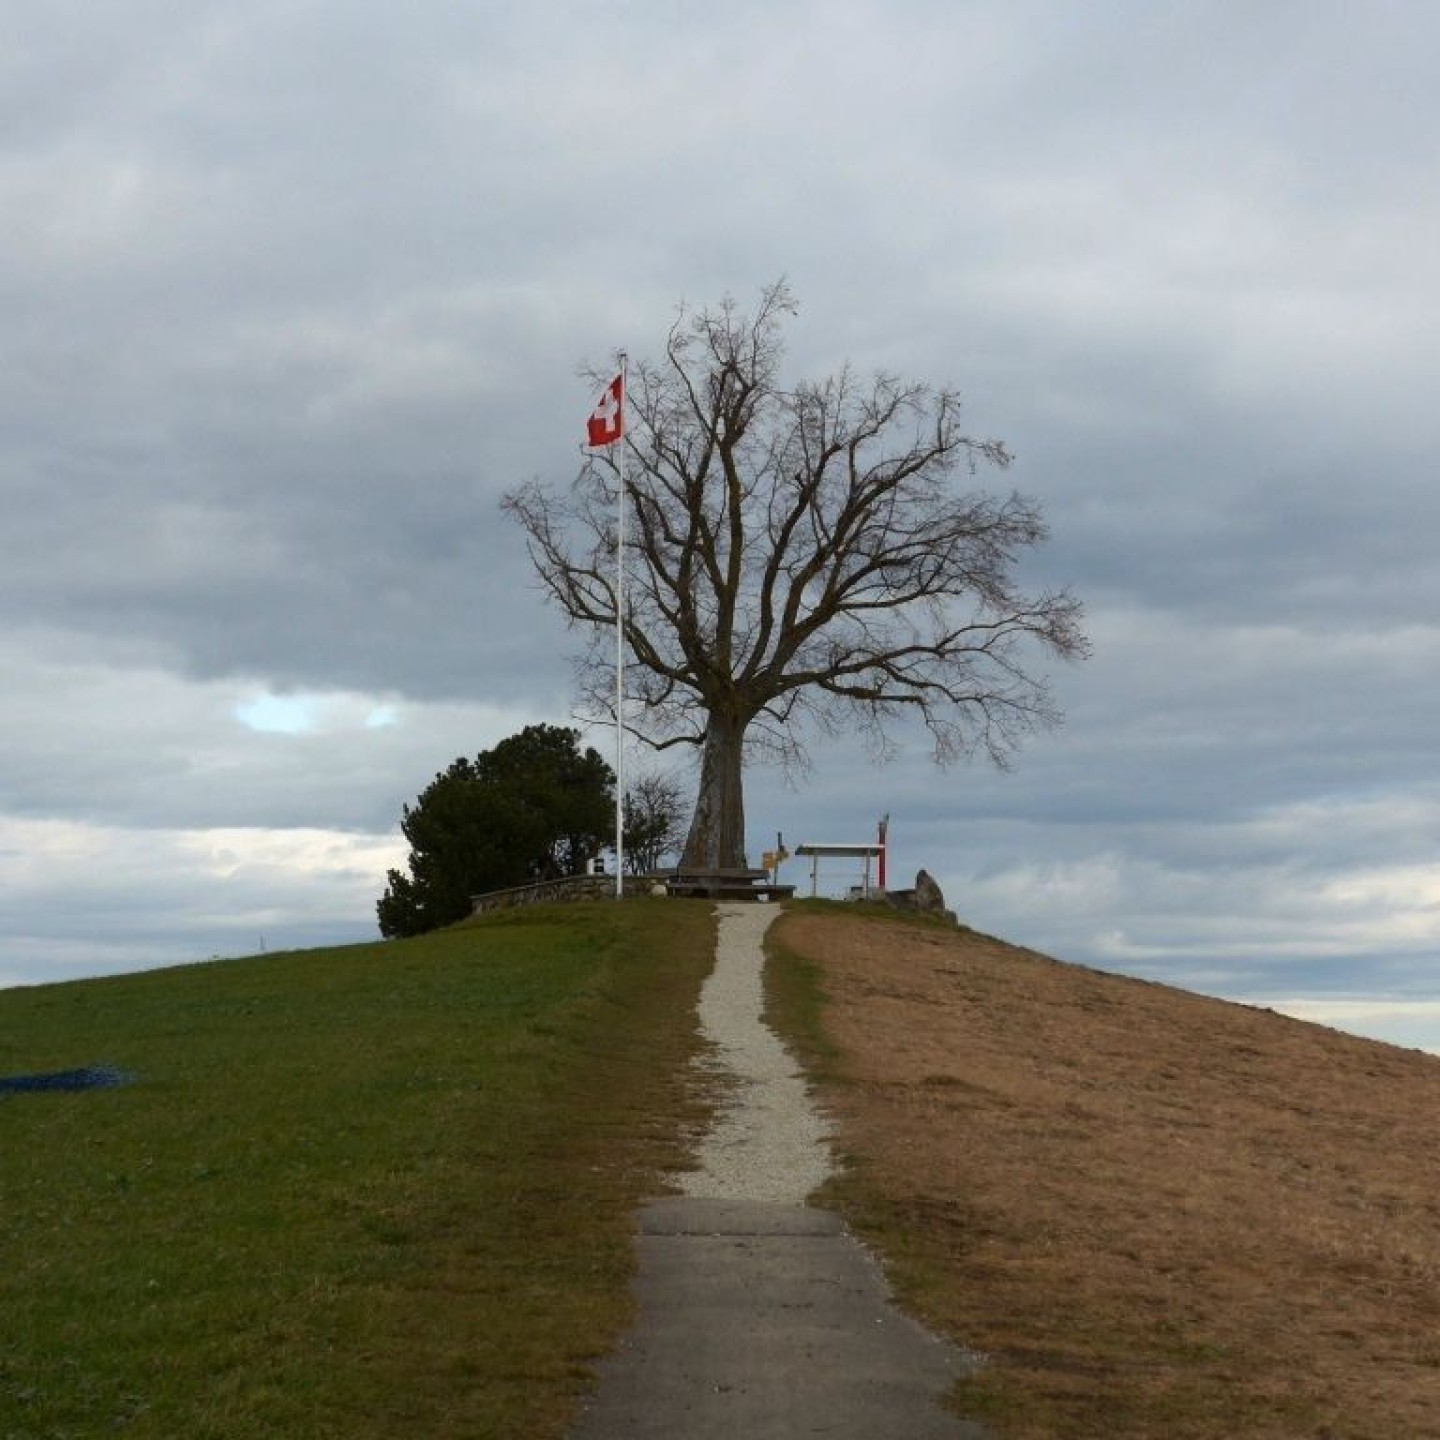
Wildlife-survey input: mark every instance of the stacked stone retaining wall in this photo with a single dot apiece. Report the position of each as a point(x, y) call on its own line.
point(549, 892)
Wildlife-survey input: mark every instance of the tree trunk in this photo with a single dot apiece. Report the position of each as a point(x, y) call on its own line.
point(717, 831)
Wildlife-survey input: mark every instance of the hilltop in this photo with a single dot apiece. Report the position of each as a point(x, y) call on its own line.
point(388, 1189)
point(1157, 1214)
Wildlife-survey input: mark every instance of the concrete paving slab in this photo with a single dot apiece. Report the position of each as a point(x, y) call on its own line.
point(684, 1216)
point(767, 1321)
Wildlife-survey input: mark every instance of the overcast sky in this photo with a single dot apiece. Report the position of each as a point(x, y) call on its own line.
point(293, 291)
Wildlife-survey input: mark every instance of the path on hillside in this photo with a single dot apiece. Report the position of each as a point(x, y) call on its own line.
point(758, 1316)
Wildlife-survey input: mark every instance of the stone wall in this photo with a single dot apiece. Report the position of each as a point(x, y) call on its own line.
point(550, 892)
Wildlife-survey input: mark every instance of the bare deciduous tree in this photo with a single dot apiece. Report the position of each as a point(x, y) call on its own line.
point(654, 822)
point(797, 557)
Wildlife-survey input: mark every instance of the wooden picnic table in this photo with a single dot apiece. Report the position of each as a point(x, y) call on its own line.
point(725, 884)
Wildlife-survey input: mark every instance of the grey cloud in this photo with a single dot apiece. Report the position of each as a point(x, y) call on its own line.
point(137, 745)
point(292, 295)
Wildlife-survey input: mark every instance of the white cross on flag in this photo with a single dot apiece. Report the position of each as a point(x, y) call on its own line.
point(606, 421)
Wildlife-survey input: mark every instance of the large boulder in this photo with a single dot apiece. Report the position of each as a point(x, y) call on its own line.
point(925, 899)
point(929, 899)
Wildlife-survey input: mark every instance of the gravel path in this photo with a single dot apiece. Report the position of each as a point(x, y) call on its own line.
point(769, 1143)
point(760, 1316)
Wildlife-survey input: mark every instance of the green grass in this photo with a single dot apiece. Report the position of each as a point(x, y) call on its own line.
point(379, 1190)
point(795, 994)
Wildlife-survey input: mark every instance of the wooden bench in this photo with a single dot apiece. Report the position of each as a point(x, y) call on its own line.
point(723, 884)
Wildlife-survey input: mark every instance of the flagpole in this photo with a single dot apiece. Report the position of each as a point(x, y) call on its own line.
point(620, 654)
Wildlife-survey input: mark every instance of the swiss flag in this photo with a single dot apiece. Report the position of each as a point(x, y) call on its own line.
point(606, 422)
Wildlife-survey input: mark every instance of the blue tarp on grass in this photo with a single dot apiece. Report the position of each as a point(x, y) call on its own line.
point(94, 1077)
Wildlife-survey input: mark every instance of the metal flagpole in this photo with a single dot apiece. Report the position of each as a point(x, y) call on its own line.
point(620, 654)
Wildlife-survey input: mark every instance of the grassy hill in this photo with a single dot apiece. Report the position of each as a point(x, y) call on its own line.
point(386, 1190)
point(381, 1191)
point(1156, 1214)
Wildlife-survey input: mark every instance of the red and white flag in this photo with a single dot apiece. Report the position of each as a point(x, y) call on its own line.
point(607, 423)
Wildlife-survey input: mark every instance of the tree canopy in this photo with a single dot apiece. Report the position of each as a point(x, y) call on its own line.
point(534, 807)
point(800, 558)
point(654, 822)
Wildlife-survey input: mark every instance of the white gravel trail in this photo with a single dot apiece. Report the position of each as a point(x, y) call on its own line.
point(769, 1142)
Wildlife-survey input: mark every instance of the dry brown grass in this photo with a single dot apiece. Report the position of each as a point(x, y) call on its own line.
point(1154, 1213)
